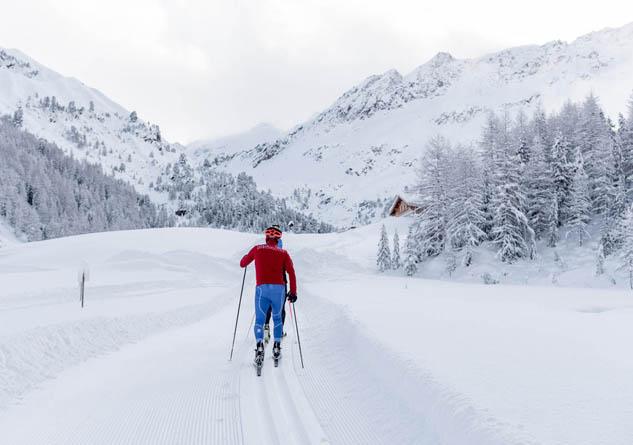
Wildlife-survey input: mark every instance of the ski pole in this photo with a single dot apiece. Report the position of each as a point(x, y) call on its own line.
point(238, 314)
point(297, 331)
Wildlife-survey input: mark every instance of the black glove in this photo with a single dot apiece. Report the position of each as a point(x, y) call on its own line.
point(291, 297)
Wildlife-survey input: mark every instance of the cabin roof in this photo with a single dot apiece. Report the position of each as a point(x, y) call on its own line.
point(409, 198)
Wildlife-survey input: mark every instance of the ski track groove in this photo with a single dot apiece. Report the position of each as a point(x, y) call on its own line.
point(267, 409)
point(282, 388)
point(277, 417)
point(342, 420)
point(328, 402)
point(203, 408)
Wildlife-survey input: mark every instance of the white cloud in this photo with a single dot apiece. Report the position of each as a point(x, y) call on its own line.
point(206, 68)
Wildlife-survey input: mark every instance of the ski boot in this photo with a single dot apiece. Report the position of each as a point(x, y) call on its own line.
point(266, 333)
point(259, 357)
point(276, 353)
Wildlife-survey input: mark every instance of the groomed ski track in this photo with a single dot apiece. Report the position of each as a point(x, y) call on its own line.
point(177, 386)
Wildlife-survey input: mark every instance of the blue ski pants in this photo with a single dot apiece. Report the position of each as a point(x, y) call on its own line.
point(269, 295)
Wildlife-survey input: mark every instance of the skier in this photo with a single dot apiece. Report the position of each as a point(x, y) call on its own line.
point(283, 307)
point(270, 263)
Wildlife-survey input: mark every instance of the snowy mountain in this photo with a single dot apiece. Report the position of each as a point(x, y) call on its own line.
point(225, 147)
point(348, 162)
point(345, 164)
point(88, 126)
point(82, 121)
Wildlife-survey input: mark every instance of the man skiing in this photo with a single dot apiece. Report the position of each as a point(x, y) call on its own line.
point(283, 307)
point(270, 263)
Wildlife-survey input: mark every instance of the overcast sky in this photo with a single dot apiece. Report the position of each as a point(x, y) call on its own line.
point(207, 68)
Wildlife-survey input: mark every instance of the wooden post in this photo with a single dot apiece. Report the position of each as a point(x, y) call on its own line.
point(83, 275)
point(83, 282)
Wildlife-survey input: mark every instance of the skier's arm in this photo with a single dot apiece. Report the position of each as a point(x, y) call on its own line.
point(248, 258)
point(291, 273)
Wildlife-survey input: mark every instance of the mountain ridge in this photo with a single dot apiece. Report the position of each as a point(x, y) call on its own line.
point(346, 162)
point(358, 152)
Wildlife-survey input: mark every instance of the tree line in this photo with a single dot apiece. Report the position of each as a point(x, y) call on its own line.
point(529, 180)
point(47, 194)
point(206, 197)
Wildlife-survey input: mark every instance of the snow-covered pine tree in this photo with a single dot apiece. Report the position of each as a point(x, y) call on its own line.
point(511, 230)
point(466, 217)
point(383, 259)
point(596, 144)
point(451, 258)
point(552, 222)
point(18, 117)
point(566, 124)
point(624, 138)
point(627, 248)
point(395, 262)
point(432, 188)
point(521, 136)
point(488, 146)
point(610, 234)
point(512, 233)
point(541, 129)
point(539, 186)
point(410, 253)
point(579, 202)
point(562, 171)
point(600, 260)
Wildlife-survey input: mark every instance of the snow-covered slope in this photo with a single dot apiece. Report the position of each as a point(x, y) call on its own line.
point(388, 359)
point(362, 148)
point(224, 148)
point(81, 120)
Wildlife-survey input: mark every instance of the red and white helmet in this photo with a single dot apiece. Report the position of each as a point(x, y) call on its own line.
point(273, 232)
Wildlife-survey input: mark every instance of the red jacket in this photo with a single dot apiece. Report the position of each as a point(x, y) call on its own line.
point(270, 263)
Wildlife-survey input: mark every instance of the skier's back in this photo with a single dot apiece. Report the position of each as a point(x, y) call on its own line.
point(270, 263)
point(283, 306)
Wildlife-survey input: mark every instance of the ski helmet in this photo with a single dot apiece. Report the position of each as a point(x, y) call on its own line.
point(273, 232)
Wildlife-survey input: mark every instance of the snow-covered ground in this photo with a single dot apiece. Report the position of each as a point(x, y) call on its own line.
point(7, 237)
point(388, 359)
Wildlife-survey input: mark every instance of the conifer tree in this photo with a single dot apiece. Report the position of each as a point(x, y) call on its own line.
point(383, 259)
point(521, 136)
point(552, 222)
point(410, 253)
point(432, 187)
point(450, 260)
point(511, 232)
point(395, 262)
point(488, 149)
point(562, 171)
point(595, 143)
point(539, 186)
point(600, 260)
point(579, 202)
point(625, 142)
point(466, 217)
point(18, 117)
point(627, 248)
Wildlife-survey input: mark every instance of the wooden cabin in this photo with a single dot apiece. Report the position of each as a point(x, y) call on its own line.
point(402, 206)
